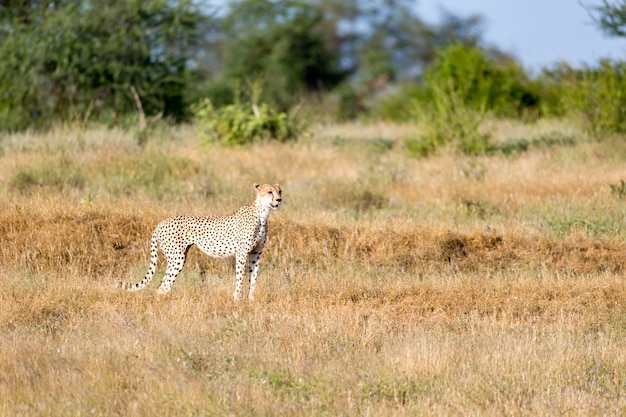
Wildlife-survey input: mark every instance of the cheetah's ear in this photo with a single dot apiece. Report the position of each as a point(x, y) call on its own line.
point(255, 185)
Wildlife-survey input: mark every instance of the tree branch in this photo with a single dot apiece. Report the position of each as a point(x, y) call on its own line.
point(142, 115)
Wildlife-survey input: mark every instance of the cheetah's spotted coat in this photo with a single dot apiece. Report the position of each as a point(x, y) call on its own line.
point(241, 234)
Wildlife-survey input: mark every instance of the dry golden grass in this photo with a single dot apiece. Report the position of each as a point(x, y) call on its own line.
point(389, 286)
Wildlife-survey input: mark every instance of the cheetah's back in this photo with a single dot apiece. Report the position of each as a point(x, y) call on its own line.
point(214, 235)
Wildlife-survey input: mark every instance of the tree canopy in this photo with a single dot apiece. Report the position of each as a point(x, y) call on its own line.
point(78, 56)
point(75, 59)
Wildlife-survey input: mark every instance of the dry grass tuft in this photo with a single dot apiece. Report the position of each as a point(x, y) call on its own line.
point(97, 240)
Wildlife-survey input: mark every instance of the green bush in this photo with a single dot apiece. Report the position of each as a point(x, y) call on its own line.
point(596, 97)
point(460, 89)
point(449, 121)
point(500, 87)
point(242, 123)
point(465, 73)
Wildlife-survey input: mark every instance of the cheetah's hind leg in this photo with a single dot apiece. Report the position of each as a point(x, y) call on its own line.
point(175, 263)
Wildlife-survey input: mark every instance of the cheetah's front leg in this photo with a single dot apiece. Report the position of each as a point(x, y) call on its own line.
point(253, 268)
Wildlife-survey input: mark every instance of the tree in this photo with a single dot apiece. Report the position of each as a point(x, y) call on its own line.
point(70, 57)
point(410, 43)
point(301, 47)
point(283, 44)
point(387, 38)
point(610, 16)
point(76, 58)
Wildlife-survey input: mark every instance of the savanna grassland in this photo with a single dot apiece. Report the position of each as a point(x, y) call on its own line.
point(390, 285)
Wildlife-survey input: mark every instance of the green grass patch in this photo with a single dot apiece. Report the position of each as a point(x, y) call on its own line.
point(57, 176)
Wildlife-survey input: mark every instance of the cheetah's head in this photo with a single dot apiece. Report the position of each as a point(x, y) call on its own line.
point(269, 195)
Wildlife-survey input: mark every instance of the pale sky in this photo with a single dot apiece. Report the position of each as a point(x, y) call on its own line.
point(537, 32)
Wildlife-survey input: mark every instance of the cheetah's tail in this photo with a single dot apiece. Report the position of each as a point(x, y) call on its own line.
point(154, 256)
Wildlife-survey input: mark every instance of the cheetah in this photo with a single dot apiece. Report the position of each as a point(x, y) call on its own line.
point(241, 234)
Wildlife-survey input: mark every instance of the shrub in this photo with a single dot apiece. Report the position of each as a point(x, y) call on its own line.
point(460, 89)
point(457, 94)
point(596, 96)
point(242, 123)
point(449, 120)
point(498, 86)
point(465, 73)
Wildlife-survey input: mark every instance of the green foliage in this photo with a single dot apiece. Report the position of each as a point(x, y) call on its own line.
point(458, 94)
point(452, 121)
point(57, 176)
point(399, 44)
point(482, 84)
point(303, 48)
point(549, 87)
point(610, 16)
point(285, 44)
point(75, 61)
point(596, 97)
point(400, 106)
point(496, 85)
point(460, 89)
point(81, 57)
point(244, 122)
point(464, 72)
